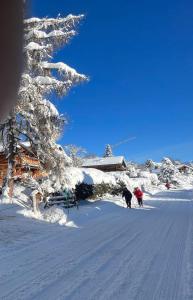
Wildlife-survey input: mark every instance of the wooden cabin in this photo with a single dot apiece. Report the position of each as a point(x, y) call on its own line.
point(184, 168)
point(25, 162)
point(106, 164)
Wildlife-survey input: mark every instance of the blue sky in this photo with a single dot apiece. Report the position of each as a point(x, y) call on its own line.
point(139, 56)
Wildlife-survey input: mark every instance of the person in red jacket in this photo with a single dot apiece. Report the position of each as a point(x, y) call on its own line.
point(139, 195)
point(167, 185)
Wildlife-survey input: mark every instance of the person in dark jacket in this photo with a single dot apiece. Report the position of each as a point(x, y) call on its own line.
point(139, 195)
point(127, 195)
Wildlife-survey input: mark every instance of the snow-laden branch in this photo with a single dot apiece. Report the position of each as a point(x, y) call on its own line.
point(32, 46)
point(56, 36)
point(67, 23)
point(47, 84)
point(64, 70)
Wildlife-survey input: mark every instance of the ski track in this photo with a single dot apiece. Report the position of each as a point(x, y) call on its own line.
point(119, 254)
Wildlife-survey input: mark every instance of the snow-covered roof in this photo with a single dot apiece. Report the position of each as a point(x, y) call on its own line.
point(184, 165)
point(102, 161)
point(26, 145)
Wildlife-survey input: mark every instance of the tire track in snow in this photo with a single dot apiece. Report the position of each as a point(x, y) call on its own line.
point(123, 279)
point(55, 266)
point(103, 262)
point(77, 283)
point(36, 259)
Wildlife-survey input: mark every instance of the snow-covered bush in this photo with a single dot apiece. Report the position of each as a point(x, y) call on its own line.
point(55, 215)
point(131, 171)
point(168, 172)
point(152, 177)
point(92, 191)
point(150, 164)
point(84, 191)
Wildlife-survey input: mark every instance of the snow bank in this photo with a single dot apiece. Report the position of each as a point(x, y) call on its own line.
point(20, 195)
point(50, 215)
point(74, 176)
point(55, 215)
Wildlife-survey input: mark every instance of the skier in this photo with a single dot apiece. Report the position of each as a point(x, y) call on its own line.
point(167, 185)
point(127, 195)
point(139, 195)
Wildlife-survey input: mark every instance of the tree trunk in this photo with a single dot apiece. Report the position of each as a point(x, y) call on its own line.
point(11, 141)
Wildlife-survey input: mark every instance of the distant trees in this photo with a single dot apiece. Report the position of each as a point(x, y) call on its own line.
point(150, 164)
point(108, 151)
point(76, 153)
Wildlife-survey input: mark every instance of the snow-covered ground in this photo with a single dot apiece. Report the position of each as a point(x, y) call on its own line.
point(105, 252)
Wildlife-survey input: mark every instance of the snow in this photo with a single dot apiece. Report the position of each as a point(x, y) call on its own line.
point(46, 80)
point(35, 46)
point(32, 20)
point(63, 68)
point(74, 176)
point(110, 252)
point(51, 215)
point(52, 110)
point(1, 147)
point(35, 34)
point(59, 33)
point(41, 35)
point(100, 161)
point(46, 22)
point(25, 144)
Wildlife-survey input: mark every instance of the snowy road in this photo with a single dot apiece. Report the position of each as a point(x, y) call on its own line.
point(114, 253)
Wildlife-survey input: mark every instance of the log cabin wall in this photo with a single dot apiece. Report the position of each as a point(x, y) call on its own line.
point(109, 168)
point(3, 167)
point(23, 163)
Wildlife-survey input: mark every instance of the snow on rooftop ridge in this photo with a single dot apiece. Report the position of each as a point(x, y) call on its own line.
point(1, 147)
point(100, 161)
point(25, 144)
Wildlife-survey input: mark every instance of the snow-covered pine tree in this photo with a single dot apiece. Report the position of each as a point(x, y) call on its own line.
point(168, 171)
point(36, 117)
point(150, 165)
point(131, 170)
point(108, 151)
